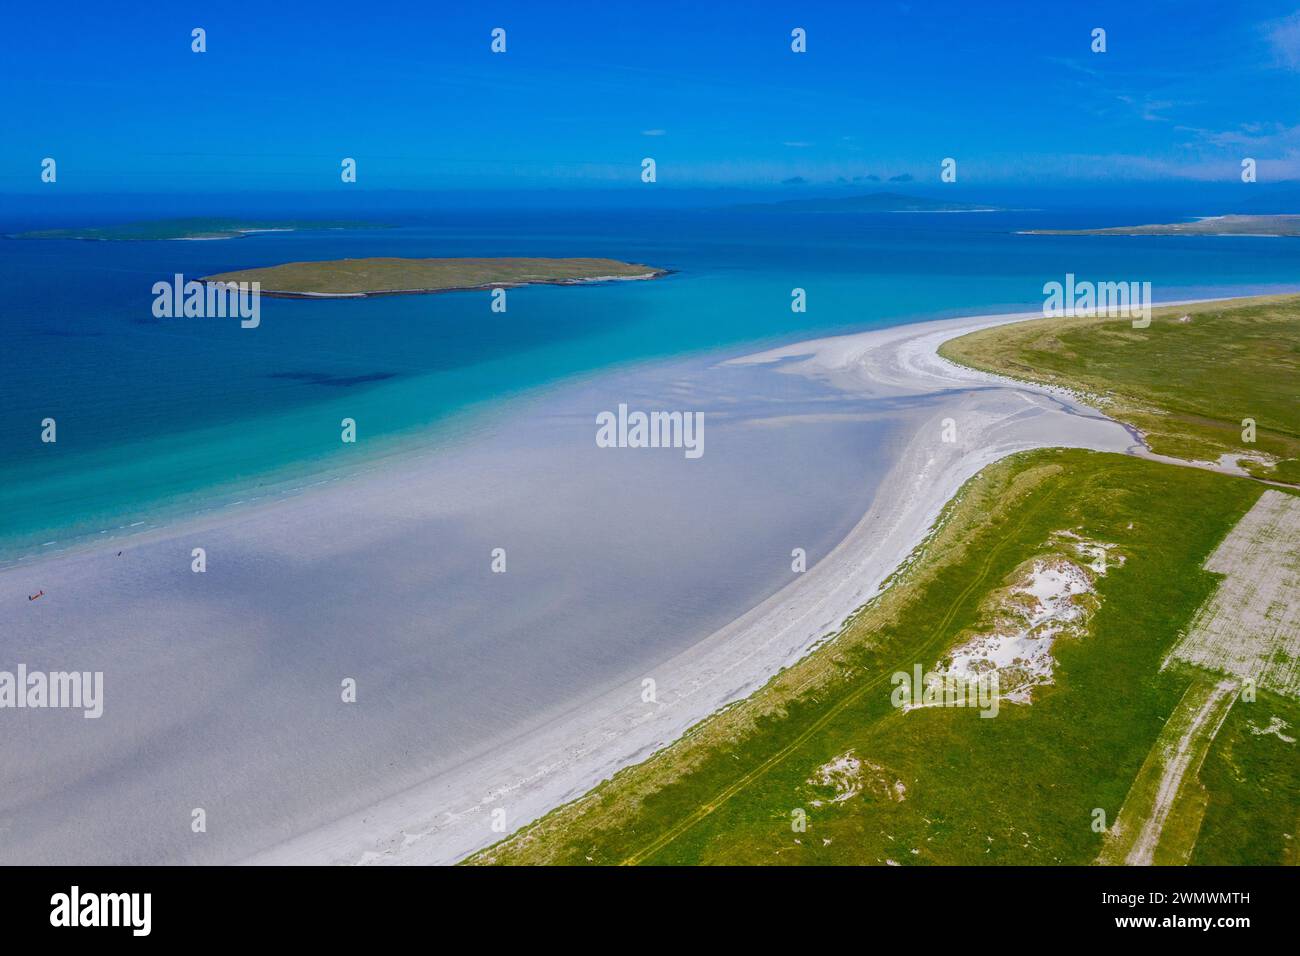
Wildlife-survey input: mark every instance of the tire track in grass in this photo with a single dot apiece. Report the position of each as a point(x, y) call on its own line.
point(1173, 762)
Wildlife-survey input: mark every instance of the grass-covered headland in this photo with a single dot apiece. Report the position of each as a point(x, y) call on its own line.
point(1283, 225)
point(1189, 382)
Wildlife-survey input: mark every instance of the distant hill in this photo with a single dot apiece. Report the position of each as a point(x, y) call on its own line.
point(871, 202)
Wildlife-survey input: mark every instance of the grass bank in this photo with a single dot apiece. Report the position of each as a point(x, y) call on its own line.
point(1187, 385)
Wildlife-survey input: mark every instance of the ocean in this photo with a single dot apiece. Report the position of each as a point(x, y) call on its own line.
point(159, 418)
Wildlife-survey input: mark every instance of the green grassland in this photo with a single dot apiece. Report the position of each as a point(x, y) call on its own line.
point(1019, 788)
point(1252, 787)
point(1284, 225)
point(197, 228)
point(1187, 386)
point(386, 276)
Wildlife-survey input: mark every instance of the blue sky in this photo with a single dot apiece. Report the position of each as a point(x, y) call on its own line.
point(587, 89)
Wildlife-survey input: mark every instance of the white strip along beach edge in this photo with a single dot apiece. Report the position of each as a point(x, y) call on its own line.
point(448, 817)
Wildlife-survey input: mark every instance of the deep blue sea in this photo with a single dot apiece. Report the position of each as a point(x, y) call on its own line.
point(160, 417)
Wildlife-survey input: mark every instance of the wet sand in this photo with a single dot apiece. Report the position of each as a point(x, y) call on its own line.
point(222, 689)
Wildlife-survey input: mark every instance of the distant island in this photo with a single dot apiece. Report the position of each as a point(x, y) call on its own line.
point(354, 278)
point(1283, 225)
point(203, 228)
point(870, 202)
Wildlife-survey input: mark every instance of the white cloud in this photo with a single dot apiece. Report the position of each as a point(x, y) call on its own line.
point(1284, 37)
point(1272, 136)
point(1147, 108)
point(654, 132)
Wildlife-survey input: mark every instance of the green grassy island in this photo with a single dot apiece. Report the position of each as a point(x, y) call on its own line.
point(366, 277)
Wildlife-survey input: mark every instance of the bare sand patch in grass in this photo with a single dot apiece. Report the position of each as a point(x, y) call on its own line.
point(844, 774)
point(1275, 727)
point(849, 776)
point(1250, 628)
point(1052, 596)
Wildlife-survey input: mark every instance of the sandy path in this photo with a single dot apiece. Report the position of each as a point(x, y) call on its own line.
point(1175, 758)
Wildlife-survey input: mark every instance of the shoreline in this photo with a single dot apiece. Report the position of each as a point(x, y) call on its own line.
point(561, 751)
point(768, 638)
point(386, 579)
point(566, 758)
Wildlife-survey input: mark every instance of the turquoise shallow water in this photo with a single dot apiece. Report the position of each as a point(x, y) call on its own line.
point(161, 417)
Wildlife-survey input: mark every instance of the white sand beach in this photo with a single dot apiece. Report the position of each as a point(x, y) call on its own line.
point(443, 820)
point(481, 692)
